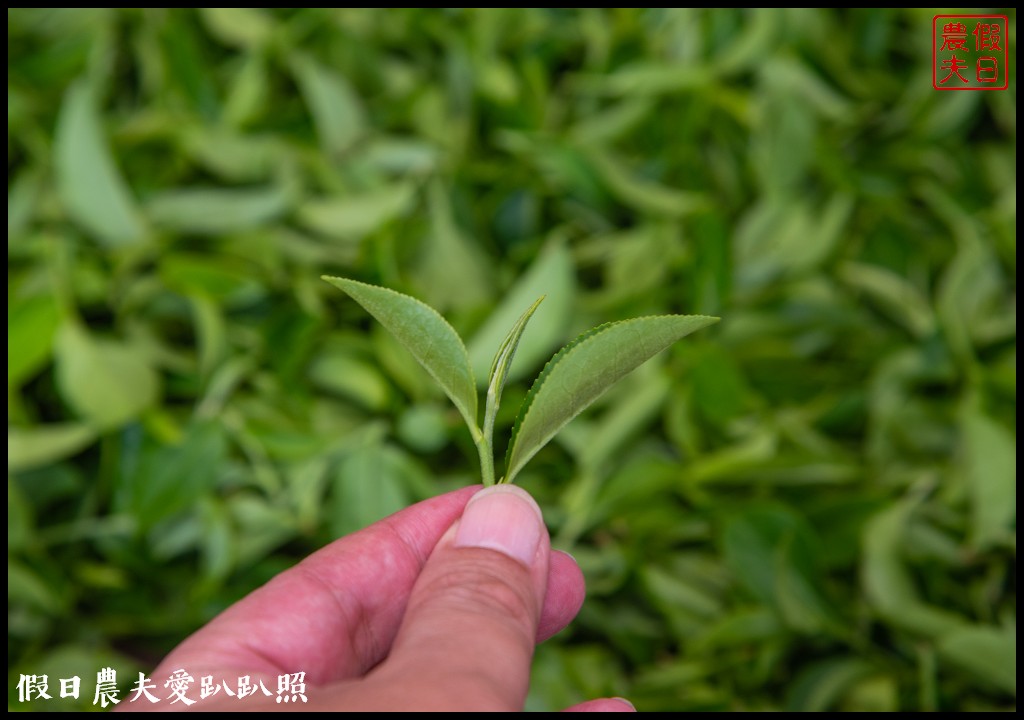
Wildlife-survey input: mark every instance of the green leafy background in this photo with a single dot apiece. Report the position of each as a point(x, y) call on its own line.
point(810, 505)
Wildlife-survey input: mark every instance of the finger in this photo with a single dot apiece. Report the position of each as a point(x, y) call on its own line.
point(603, 705)
point(468, 635)
point(566, 590)
point(334, 615)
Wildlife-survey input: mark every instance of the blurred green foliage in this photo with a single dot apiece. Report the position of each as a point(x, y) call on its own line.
point(811, 505)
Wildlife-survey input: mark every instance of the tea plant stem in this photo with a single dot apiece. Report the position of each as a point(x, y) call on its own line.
point(490, 411)
point(485, 448)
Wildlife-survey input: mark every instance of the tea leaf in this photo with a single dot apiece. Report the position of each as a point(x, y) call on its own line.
point(499, 368)
point(337, 111)
point(93, 191)
point(349, 376)
point(551, 275)
point(447, 252)
point(503, 359)
point(773, 552)
point(823, 684)
point(355, 216)
point(238, 26)
point(895, 296)
point(31, 324)
point(583, 370)
point(427, 335)
point(45, 444)
point(108, 383)
point(990, 653)
point(369, 484)
point(213, 211)
point(990, 466)
point(888, 585)
point(643, 194)
point(26, 587)
point(170, 479)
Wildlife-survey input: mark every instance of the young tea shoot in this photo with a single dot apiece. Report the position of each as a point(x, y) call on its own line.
point(575, 377)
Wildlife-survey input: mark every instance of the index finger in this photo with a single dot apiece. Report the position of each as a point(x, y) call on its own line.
point(334, 615)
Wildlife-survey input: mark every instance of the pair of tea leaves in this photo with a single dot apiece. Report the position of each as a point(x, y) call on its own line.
point(574, 378)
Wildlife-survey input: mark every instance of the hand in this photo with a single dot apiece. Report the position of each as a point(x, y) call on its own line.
point(436, 608)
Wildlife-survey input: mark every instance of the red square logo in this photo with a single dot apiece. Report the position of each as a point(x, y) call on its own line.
point(970, 52)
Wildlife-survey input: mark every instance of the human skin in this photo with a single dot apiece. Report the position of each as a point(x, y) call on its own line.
point(436, 608)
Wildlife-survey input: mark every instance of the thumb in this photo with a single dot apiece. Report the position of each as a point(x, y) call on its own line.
point(470, 627)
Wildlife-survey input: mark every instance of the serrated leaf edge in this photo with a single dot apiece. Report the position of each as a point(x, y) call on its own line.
point(506, 353)
point(549, 366)
point(470, 417)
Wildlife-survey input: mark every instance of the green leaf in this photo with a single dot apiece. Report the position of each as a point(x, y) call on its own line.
point(262, 526)
point(238, 26)
point(896, 296)
point(401, 156)
point(93, 191)
point(401, 367)
point(233, 157)
point(20, 518)
point(31, 324)
point(213, 211)
point(217, 541)
point(22, 196)
point(875, 693)
point(337, 112)
point(44, 444)
point(222, 278)
point(583, 370)
point(648, 78)
point(499, 368)
point(674, 593)
point(345, 373)
point(353, 216)
point(170, 479)
point(607, 125)
point(423, 427)
point(743, 627)
point(991, 470)
point(26, 587)
point(551, 275)
point(187, 66)
point(370, 484)
point(633, 410)
point(427, 335)
point(211, 333)
point(447, 253)
point(720, 391)
point(888, 584)
point(503, 358)
point(247, 98)
point(990, 653)
point(966, 294)
point(822, 685)
point(108, 383)
point(748, 48)
point(645, 195)
point(773, 552)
